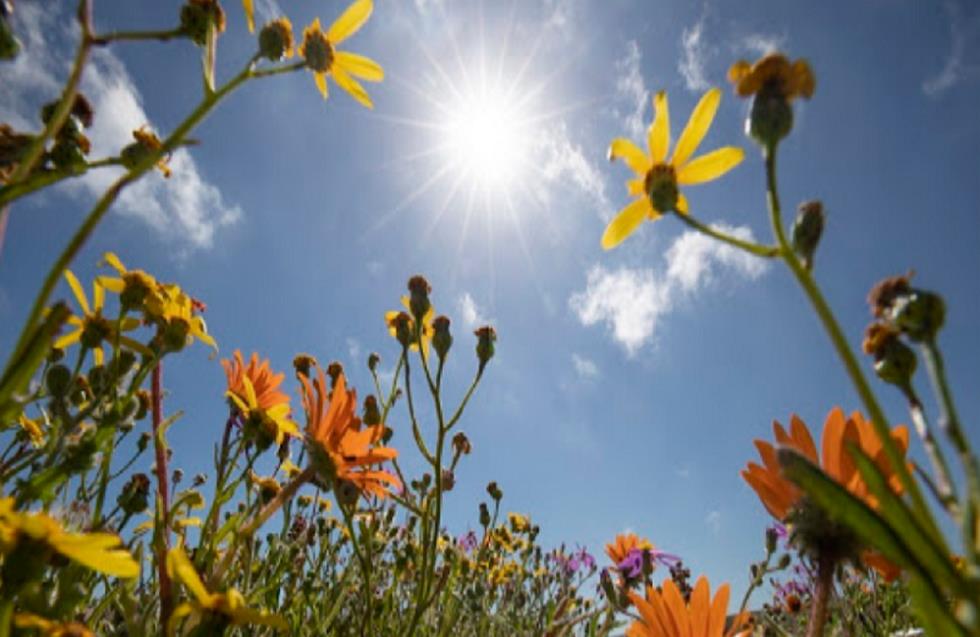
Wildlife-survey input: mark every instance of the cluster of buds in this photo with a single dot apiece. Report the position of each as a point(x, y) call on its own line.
point(71, 146)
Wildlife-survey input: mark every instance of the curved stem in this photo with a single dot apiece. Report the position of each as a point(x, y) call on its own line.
point(843, 348)
point(945, 491)
point(756, 249)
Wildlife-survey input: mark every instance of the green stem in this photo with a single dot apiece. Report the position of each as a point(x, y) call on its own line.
point(46, 178)
point(747, 246)
point(945, 490)
point(365, 571)
point(130, 36)
point(6, 614)
point(839, 341)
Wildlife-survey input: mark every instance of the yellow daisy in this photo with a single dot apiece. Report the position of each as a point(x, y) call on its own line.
point(319, 51)
point(273, 419)
point(657, 178)
point(217, 610)
point(92, 328)
point(98, 551)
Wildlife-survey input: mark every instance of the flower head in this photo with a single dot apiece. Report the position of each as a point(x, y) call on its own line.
point(341, 448)
point(91, 329)
point(276, 39)
point(664, 613)
point(620, 548)
point(216, 610)
point(773, 72)
point(401, 326)
point(37, 536)
point(780, 496)
point(33, 430)
point(132, 286)
point(657, 178)
point(146, 143)
point(254, 390)
point(319, 51)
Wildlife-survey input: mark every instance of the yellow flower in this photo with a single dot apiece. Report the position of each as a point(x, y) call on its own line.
point(33, 430)
point(50, 627)
point(657, 178)
point(519, 522)
point(428, 329)
point(178, 312)
point(273, 419)
point(92, 328)
point(223, 609)
point(664, 613)
point(132, 286)
point(39, 533)
point(290, 468)
point(319, 52)
point(773, 72)
point(148, 140)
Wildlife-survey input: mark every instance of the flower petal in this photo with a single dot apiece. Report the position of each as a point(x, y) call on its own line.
point(360, 66)
point(628, 219)
point(696, 127)
point(636, 159)
point(78, 291)
point(321, 83)
point(659, 137)
point(111, 259)
point(710, 166)
point(249, 7)
point(352, 86)
point(350, 21)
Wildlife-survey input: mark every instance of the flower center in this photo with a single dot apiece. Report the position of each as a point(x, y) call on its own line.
point(318, 53)
point(660, 185)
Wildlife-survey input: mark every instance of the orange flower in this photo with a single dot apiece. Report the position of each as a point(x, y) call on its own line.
point(665, 614)
point(339, 446)
point(779, 495)
point(254, 391)
point(624, 543)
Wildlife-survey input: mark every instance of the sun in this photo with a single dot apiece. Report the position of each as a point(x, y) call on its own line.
point(485, 137)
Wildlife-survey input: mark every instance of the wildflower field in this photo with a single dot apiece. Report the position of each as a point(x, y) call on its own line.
point(355, 448)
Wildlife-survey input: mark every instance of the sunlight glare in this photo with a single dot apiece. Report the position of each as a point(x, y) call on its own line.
point(484, 137)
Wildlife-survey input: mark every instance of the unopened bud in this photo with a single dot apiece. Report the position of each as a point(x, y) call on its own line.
point(448, 480)
point(486, 336)
point(334, 371)
point(772, 539)
point(373, 359)
point(403, 325)
point(56, 380)
point(494, 491)
point(276, 40)
point(807, 229)
point(484, 515)
point(144, 441)
point(461, 444)
point(347, 493)
point(418, 299)
point(771, 117)
point(197, 18)
point(134, 497)
point(372, 415)
point(145, 402)
point(895, 362)
point(442, 340)
point(919, 315)
point(303, 363)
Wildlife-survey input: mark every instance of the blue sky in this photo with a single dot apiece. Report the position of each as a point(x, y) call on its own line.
point(628, 385)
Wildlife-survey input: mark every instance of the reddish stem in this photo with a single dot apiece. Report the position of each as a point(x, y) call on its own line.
point(821, 595)
point(163, 497)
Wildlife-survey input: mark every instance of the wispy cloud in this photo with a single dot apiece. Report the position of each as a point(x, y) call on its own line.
point(563, 162)
point(762, 43)
point(964, 34)
point(585, 367)
point(632, 89)
point(694, 56)
point(632, 302)
point(713, 520)
point(185, 208)
point(469, 311)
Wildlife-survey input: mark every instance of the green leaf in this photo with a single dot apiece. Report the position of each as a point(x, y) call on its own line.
point(934, 616)
point(935, 559)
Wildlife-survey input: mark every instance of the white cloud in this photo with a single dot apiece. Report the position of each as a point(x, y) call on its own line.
point(354, 351)
point(562, 160)
point(584, 367)
point(632, 302)
point(964, 35)
point(186, 207)
point(713, 520)
point(763, 43)
point(632, 89)
point(629, 302)
point(694, 258)
point(469, 311)
point(694, 54)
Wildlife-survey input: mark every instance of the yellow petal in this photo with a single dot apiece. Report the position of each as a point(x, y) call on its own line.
point(114, 262)
point(98, 355)
point(352, 86)
point(249, 6)
point(253, 402)
point(321, 83)
point(681, 204)
point(659, 137)
point(360, 66)
point(113, 284)
point(178, 565)
point(98, 296)
point(696, 127)
point(350, 21)
point(635, 187)
point(78, 291)
point(68, 339)
point(710, 166)
point(636, 159)
point(628, 219)
point(94, 552)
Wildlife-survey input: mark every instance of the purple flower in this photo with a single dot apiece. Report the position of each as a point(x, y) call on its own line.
point(632, 566)
point(468, 541)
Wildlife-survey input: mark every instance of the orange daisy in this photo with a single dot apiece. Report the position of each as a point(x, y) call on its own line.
point(664, 613)
point(254, 390)
point(624, 543)
point(340, 446)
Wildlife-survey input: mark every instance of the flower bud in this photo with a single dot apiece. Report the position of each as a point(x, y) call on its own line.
point(919, 315)
point(303, 363)
point(334, 371)
point(772, 539)
point(770, 118)
point(486, 336)
point(784, 561)
point(145, 402)
point(404, 328)
point(807, 229)
point(56, 380)
point(895, 362)
point(883, 295)
point(461, 444)
point(442, 340)
point(347, 493)
point(134, 497)
point(448, 480)
point(372, 362)
point(143, 442)
point(484, 515)
point(276, 40)
point(418, 299)
point(174, 334)
point(494, 491)
point(197, 17)
point(372, 415)
point(178, 475)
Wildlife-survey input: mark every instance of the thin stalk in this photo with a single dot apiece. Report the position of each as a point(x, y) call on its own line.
point(843, 348)
point(365, 564)
point(163, 496)
point(133, 36)
point(47, 178)
point(756, 249)
point(945, 490)
point(821, 595)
